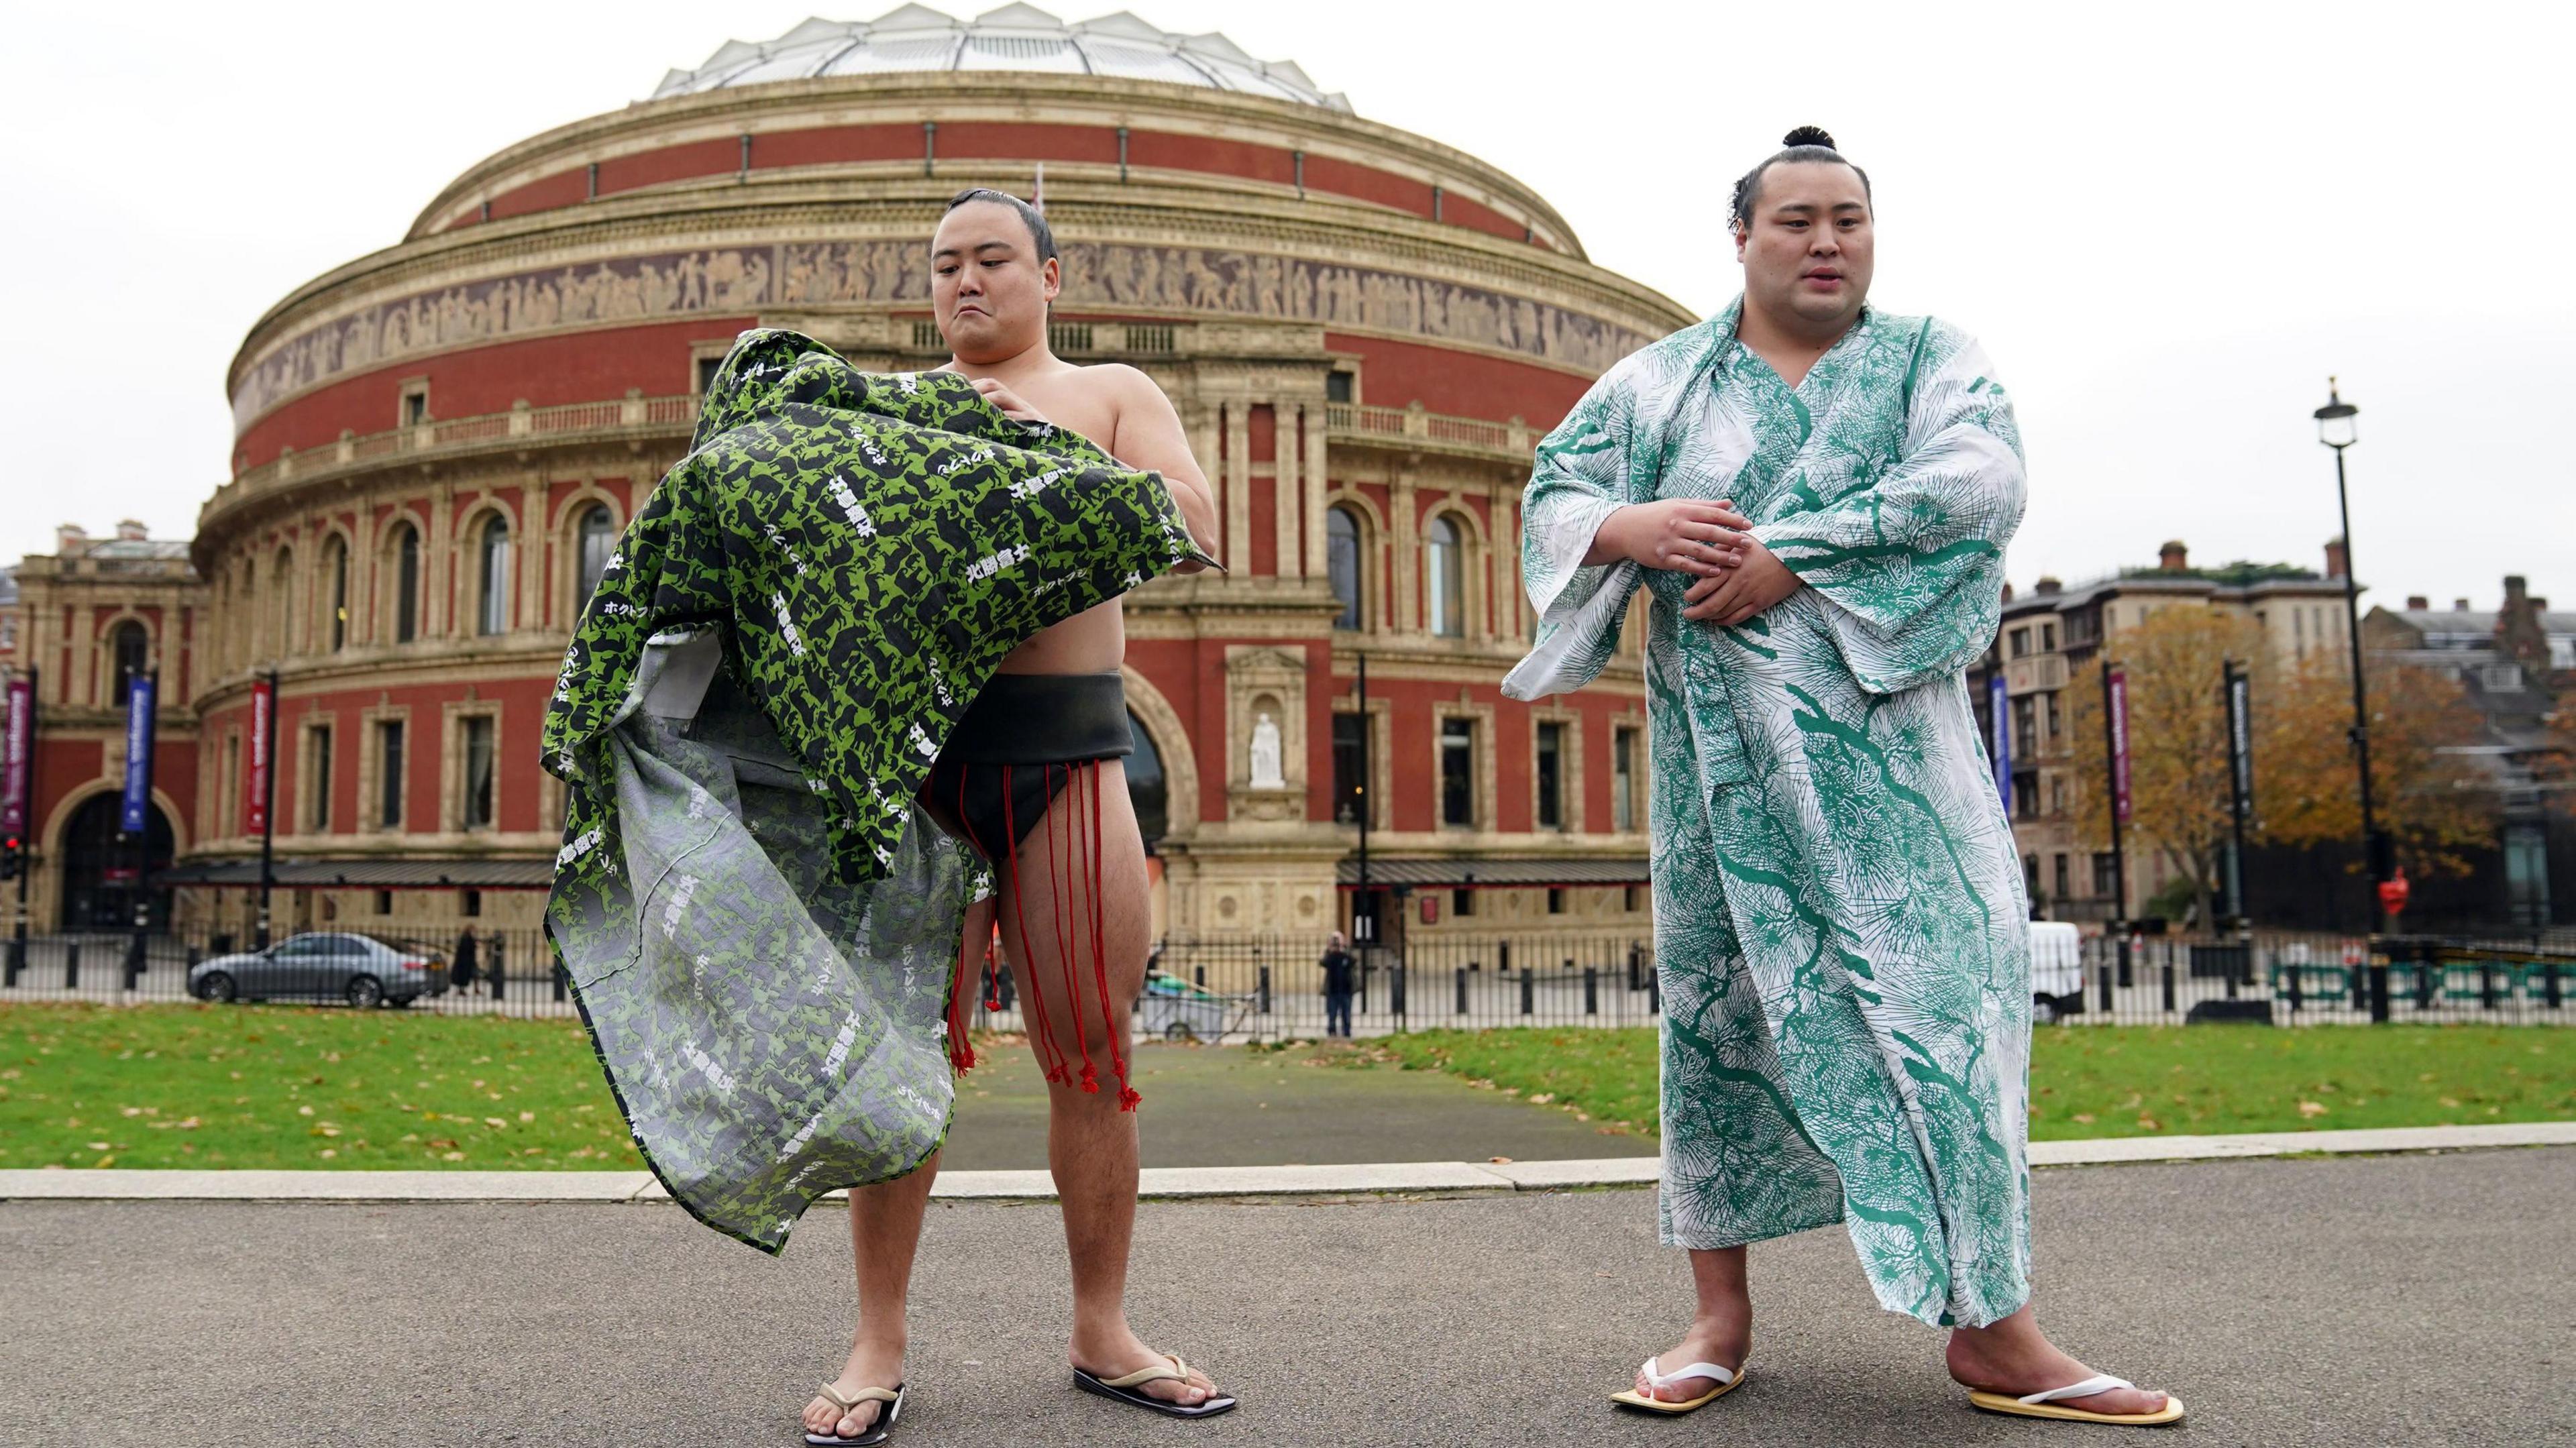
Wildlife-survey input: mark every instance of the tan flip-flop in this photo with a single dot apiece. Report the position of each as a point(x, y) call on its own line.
point(1727, 1381)
point(2045, 1405)
point(1171, 1369)
point(875, 1432)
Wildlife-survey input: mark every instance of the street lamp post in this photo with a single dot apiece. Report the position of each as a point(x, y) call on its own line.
point(2336, 429)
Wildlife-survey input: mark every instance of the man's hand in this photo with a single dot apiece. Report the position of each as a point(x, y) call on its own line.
point(1729, 598)
point(1686, 535)
point(1012, 405)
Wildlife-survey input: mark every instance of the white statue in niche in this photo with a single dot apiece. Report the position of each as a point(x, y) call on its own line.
point(1265, 753)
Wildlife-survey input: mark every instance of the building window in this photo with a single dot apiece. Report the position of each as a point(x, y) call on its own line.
point(1458, 772)
point(1350, 769)
point(598, 540)
point(335, 567)
point(1444, 580)
point(1462, 903)
point(132, 646)
point(469, 903)
point(415, 404)
point(1555, 899)
point(384, 902)
point(708, 367)
point(1623, 779)
point(1337, 386)
point(2062, 890)
point(389, 774)
point(1551, 775)
point(407, 584)
point(1632, 898)
point(2048, 638)
point(2020, 642)
point(1342, 565)
point(2026, 800)
point(493, 615)
point(479, 759)
point(317, 778)
point(2030, 874)
point(2106, 874)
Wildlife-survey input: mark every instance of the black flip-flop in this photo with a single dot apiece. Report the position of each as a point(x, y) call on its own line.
point(1123, 1389)
point(876, 1432)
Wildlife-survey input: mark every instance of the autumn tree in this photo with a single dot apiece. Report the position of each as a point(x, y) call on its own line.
point(2178, 785)
point(2307, 792)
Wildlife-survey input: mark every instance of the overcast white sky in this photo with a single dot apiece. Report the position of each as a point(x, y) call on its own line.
point(2167, 223)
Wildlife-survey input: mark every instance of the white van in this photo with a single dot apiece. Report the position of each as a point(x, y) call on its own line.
point(2056, 969)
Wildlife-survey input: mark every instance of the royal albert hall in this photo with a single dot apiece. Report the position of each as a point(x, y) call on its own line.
point(437, 446)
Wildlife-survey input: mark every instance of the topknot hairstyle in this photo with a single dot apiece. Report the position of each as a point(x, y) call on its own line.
point(1030, 217)
point(1804, 143)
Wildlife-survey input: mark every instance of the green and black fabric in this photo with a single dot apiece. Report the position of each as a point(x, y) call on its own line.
point(759, 922)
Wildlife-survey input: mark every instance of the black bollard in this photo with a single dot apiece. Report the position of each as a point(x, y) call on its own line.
point(1591, 991)
point(1263, 990)
point(1462, 990)
point(71, 965)
point(2297, 995)
point(2379, 994)
point(1654, 993)
point(2127, 975)
point(1395, 992)
point(1636, 961)
point(494, 969)
point(2102, 974)
point(1529, 993)
point(2168, 984)
point(2428, 976)
point(2486, 985)
point(2549, 983)
point(563, 981)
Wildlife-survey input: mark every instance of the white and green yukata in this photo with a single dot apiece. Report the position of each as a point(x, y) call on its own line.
point(1839, 910)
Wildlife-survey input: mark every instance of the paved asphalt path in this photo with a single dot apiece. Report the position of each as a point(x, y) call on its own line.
point(2414, 1299)
point(1212, 1106)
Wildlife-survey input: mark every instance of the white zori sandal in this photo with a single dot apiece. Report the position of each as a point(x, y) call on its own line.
point(872, 1434)
point(2044, 1405)
point(1727, 1381)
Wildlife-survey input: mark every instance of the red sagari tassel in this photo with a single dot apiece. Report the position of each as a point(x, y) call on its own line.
point(1070, 852)
point(1049, 1053)
point(1127, 1097)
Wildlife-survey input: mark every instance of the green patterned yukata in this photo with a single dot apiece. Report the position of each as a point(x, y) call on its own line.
point(1839, 910)
point(759, 921)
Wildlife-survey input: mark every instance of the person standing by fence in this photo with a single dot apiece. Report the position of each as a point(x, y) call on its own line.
point(1341, 974)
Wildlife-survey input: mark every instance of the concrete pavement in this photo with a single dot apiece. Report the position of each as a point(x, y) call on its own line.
point(2396, 1299)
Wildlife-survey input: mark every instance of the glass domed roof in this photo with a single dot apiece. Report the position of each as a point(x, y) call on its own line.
point(1014, 37)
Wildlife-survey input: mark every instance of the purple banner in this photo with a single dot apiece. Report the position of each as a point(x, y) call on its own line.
point(138, 756)
point(2119, 705)
point(18, 759)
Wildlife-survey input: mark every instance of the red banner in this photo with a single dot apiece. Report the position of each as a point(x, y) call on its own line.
point(255, 783)
point(2119, 703)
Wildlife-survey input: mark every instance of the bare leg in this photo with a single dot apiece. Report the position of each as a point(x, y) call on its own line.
point(1091, 1143)
point(885, 1231)
point(2014, 1357)
point(1721, 1330)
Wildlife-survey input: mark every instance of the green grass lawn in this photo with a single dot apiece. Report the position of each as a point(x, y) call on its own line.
point(280, 1086)
point(2111, 1080)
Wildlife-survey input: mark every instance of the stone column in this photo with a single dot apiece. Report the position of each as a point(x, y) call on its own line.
point(529, 608)
point(1287, 491)
point(438, 561)
point(1315, 481)
point(1238, 488)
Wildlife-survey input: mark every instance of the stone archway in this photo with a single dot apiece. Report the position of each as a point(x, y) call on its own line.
point(98, 865)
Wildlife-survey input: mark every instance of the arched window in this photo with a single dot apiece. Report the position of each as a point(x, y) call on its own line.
point(406, 584)
point(335, 574)
point(493, 613)
point(1342, 565)
point(1444, 580)
point(132, 646)
point(1146, 788)
point(598, 535)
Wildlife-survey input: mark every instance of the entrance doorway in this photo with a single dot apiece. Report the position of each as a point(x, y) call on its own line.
point(99, 865)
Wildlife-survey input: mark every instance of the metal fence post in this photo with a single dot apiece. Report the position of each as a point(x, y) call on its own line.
point(2127, 973)
point(1591, 991)
point(2102, 974)
point(135, 945)
point(1461, 975)
point(496, 969)
point(1264, 990)
point(71, 964)
point(1503, 955)
point(2379, 993)
point(2549, 989)
point(1395, 991)
point(1529, 993)
point(2168, 984)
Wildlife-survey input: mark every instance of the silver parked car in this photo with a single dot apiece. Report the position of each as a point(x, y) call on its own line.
point(353, 968)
